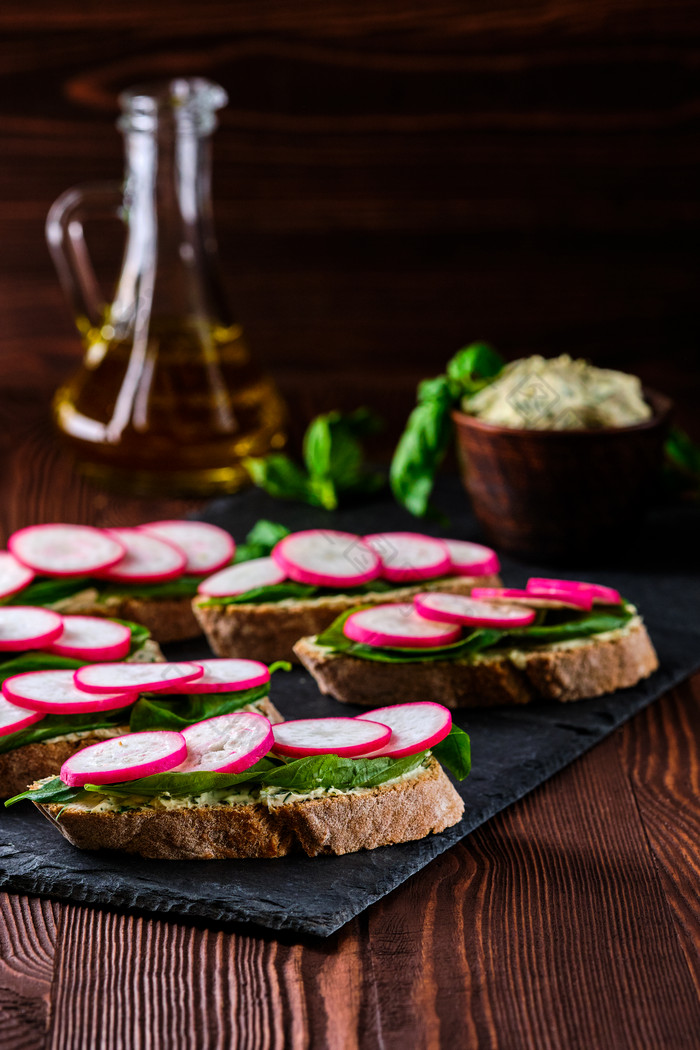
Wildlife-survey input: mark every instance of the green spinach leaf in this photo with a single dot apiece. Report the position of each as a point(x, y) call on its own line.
point(454, 752)
point(260, 540)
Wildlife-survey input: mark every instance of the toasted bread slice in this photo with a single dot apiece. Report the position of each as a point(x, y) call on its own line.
point(407, 809)
point(564, 671)
point(168, 619)
point(267, 631)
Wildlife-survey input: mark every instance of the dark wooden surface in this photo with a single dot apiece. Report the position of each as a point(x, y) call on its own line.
point(391, 181)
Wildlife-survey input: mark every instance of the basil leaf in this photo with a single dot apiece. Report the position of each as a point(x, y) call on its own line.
point(177, 712)
point(428, 432)
point(54, 791)
point(454, 752)
point(333, 771)
point(179, 785)
point(260, 540)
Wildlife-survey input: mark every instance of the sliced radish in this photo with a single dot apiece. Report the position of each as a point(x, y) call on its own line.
point(207, 547)
point(124, 758)
point(227, 743)
point(226, 675)
point(13, 718)
point(599, 594)
point(328, 736)
point(471, 559)
point(414, 727)
point(66, 550)
point(562, 600)
point(136, 678)
point(398, 625)
point(237, 579)
point(408, 556)
point(91, 638)
point(28, 627)
point(457, 608)
point(55, 693)
point(327, 558)
point(148, 559)
point(13, 575)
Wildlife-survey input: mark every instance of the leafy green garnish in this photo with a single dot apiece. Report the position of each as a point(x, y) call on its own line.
point(53, 791)
point(333, 462)
point(682, 467)
point(176, 712)
point(428, 432)
point(573, 625)
point(454, 752)
point(183, 587)
point(277, 592)
point(46, 591)
point(260, 540)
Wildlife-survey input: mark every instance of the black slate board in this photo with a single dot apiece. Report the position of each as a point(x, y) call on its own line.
point(514, 750)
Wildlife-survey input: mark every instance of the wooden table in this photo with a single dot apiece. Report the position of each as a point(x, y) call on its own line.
point(391, 181)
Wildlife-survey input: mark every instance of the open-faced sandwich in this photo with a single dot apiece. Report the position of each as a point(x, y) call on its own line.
point(54, 705)
point(146, 575)
point(300, 582)
point(556, 640)
point(235, 786)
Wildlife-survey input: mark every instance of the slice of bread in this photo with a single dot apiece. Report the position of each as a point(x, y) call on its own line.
point(267, 631)
point(168, 619)
point(407, 809)
point(572, 670)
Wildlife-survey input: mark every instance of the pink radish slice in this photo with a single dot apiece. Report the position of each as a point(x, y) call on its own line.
point(513, 595)
point(124, 758)
point(414, 727)
point(13, 718)
point(28, 627)
point(237, 579)
point(136, 678)
point(207, 547)
point(328, 736)
point(456, 608)
point(471, 559)
point(224, 675)
point(326, 558)
point(599, 594)
point(13, 575)
point(65, 550)
point(55, 693)
point(408, 556)
point(148, 559)
point(398, 625)
point(91, 638)
point(227, 743)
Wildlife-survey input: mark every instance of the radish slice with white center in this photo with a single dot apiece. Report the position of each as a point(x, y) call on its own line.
point(137, 678)
point(148, 559)
point(328, 736)
point(226, 675)
point(13, 717)
point(124, 758)
point(512, 595)
point(227, 743)
point(414, 727)
point(599, 594)
point(408, 556)
point(327, 558)
point(91, 638)
point(457, 608)
point(13, 575)
point(55, 693)
point(207, 547)
point(237, 579)
point(471, 559)
point(66, 550)
point(28, 627)
point(398, 625)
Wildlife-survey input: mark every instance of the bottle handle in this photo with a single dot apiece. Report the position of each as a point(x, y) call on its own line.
point(69, 251)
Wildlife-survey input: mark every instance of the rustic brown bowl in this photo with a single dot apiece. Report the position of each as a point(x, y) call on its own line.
point(561, 494)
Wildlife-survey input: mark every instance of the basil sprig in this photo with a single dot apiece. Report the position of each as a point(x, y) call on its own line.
point(548, 631)
point(424, 442)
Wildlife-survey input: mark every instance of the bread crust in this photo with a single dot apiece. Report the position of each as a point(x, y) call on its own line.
point(268, 631)
point(563, 673)
point(168, 619)
point(333, 824)
point(44, 758)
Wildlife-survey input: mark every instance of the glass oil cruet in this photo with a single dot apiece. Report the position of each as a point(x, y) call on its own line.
point(167, 399)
